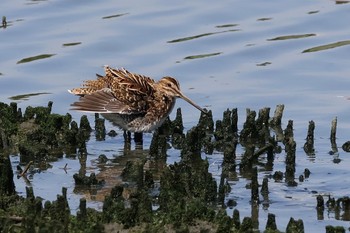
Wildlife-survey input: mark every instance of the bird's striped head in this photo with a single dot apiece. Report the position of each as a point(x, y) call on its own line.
point(171, 87)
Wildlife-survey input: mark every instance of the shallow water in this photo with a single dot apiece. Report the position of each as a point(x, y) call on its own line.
point(242, 54)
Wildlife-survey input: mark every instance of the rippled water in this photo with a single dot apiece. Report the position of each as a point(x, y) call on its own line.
point(244, 54)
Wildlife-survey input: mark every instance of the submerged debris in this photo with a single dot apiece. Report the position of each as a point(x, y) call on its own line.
point(295, 226)
point(100, 129)
point(7, 185)
point(309, 144)
point(38, 133)
point(4, 22)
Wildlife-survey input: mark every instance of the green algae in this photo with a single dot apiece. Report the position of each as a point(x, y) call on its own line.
point(34, 58)
point(38, 133)
point(199, 36)
point(114, 16)
point(31, 215)
point(327, 46)
point(27, 96)
point(71, 44)
point(226, 25)
point(290, 37)
point(198, 56)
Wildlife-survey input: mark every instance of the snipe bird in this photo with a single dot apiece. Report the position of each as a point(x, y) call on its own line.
point(134, 102)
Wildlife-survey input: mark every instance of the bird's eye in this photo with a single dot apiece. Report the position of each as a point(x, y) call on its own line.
point(169, 85)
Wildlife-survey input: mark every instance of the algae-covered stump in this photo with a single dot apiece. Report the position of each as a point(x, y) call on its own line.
point(185, 198)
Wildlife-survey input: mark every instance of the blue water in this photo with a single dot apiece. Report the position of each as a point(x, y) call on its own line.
point(223, 56)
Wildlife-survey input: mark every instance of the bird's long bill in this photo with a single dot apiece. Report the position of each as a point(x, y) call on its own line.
point(182, 96)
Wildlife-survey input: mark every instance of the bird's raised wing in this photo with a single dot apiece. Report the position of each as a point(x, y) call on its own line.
point(103, 101)
point(119, 91)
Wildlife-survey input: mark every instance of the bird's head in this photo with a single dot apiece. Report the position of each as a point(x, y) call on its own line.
point(171, 87)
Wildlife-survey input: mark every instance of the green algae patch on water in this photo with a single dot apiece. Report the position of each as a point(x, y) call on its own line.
point(34, 58)
point(202, 56)
point(290, 37)
point(27, 96)
point(199, 36)
point(227, 25)
point(71, 44)
point(114, 16)
point(327, 46)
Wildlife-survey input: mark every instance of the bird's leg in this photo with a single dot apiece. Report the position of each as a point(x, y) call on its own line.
point(138, 138)
point(127, 136)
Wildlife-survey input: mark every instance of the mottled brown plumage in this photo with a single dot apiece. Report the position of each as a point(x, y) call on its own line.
point(132, 101)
